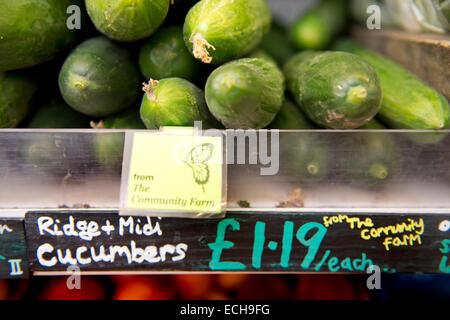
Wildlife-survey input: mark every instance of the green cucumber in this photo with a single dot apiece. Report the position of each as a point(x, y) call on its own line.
point(336, 90)
point(99, 79)
point(276, 43)
point(305, 157)
point(373, 124)
point(316, 29)
point(245, 94)
point(108, 147)
point(127, 20)
point(373, 157)
point(56, 114)
point(33, 31)
point(174, 102)
point(291, 117)
point(408, 103)
point(164, 55)
point(128, 119)
point(260, 53)
point(17, 94)
point(217, 31)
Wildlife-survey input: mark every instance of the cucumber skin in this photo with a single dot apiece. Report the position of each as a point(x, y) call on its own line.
point(56, 114)
point(316, 29)
point(17, 93)
point(262, 54)
point(178, 103)
point(408, 103)
point(138, 21)
point(109, 75)
point(164, 55)
point(234, 33)
point(245, 94)
point(374, 157)
point(33, 31)
point(320, 82)
point(373, 124)
point(128, 119)
point(308, 157)
point(108, 148)
point(291, 117)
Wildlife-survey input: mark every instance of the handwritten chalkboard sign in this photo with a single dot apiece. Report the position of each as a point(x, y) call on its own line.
point(13, 262)
point(250, 242)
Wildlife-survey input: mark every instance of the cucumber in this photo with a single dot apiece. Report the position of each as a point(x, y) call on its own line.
point(336, 90)
point(128, 119)
point(316, 29)
point(277, 44)
point(17, 93)
point(291, 117)
point(56, 114)
point(260, 53)
point(217, 31)
point(127, 20)
point(33, 31)
point(369, 158)
point(373, 124)
point(306, 157)
point(108, 147)
point(99, 79)
point(164, 55)
point(174, 102)
point(372, 158)
point(408, 103)
point(245, 94)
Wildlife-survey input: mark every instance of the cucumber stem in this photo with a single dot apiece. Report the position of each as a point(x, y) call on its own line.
point(98, 125)
point(312, 168)
point(148, 89)
point(357, 95)
point(378, 171)
point(80, 85)
point(200, 49)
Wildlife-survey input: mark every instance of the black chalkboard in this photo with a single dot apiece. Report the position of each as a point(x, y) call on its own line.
point(245, 242)
point(13, 262)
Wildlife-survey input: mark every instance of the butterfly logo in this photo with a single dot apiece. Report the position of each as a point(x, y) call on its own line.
point(196, 160)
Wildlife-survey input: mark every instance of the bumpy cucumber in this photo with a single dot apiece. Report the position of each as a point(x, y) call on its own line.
point(305, 156)
point(373, 158)
point(99, 79)
point(260, 53)
point(165, 55)
point(373, 124)
point(174, 102)
point(17, 94)
point(108, 147)
point(291, 117)
point(127, 20)
point(318, 27)
point(336, 90)
point(408, 103)
point(33, 31)
point(217, 31)
point(246, 93)
point(56, 114)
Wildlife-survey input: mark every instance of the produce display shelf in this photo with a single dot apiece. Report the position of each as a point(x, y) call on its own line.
point(342, 221)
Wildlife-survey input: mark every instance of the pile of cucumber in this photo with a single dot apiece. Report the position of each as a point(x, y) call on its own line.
point(222, 62)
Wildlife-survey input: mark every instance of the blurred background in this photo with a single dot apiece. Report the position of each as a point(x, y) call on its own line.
point(229, 287)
